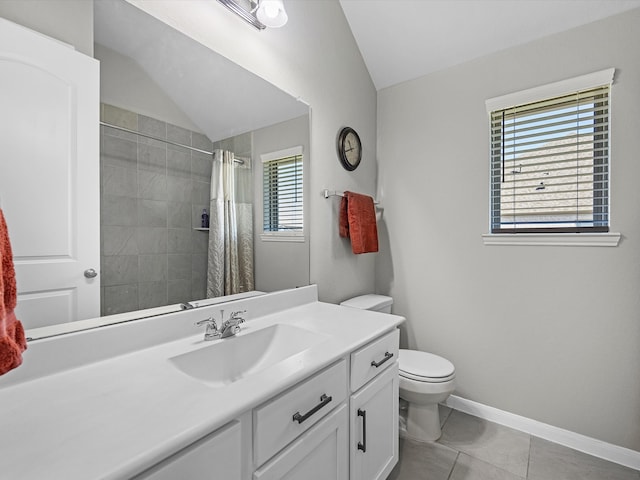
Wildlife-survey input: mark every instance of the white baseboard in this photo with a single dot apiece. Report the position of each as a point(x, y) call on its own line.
point(597, 448)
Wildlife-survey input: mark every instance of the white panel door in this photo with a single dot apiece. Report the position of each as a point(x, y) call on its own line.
point(49, 174)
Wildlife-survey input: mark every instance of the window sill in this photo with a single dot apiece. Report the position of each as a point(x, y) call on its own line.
point(281, 237)
point(553, 239)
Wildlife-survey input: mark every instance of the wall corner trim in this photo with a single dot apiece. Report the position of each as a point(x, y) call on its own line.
point(597, 448)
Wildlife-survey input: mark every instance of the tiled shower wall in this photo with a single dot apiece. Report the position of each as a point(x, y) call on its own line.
point(152, 195)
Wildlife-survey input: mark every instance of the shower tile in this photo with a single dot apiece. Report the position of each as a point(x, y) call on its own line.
point(179, 266)
point(119, 299)
point(118, 116)
point(550, 460)
point(152, 185)
point(114, 132)
point(152, 213)
point(200, 141)
point(179, 189)
point(179, 240)
point(503, 447)
point(119, 270)
point(152, 268)
point(468, 467)
point(179, 215)
point(199, 266)
point(179, 291)
point(151, 126)
point(199, 241)
point(178, 134)
point(200, 192)
point(423, 460)
point(152, 294)
point(199, 289)
point(151, 157)
point(115, 210)
point(201, 166)
point(119, 181)
point(151, 240)
point(119, 152)
point(178, 162)
point(119, 240)
point(242, 144)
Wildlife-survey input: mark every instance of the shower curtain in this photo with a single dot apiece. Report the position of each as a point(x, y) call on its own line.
point(230, 255)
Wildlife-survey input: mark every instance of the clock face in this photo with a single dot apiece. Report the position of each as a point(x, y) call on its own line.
point(349, 148)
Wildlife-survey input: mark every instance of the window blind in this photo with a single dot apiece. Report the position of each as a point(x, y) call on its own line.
point(550, 164)
point(283, 194)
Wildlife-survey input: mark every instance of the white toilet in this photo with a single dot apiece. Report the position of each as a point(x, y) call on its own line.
point(425, 379)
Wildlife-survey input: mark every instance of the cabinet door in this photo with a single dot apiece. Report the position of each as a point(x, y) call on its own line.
point(374, 427)
point(214, 457)
point(318, 454)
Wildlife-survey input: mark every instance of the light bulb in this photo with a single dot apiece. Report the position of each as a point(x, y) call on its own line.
point(271, 10)
point(272, 13)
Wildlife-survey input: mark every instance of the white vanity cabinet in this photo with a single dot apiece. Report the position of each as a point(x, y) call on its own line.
point(216, 456)
point(373, 409)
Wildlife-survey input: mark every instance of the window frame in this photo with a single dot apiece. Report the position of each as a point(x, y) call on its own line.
point(283, 235)
point(533, 95)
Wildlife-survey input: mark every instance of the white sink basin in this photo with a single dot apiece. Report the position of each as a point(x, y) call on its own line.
point(231, 359)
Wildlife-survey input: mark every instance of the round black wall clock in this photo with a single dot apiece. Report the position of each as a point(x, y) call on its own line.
point(349, 148)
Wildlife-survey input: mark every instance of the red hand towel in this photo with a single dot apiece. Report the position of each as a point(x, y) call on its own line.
point(12, 339)
point(362, 227)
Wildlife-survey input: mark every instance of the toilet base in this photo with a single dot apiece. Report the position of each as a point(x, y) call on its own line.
point(423, 422)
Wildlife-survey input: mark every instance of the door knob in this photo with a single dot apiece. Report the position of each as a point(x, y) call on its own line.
point(90, 273)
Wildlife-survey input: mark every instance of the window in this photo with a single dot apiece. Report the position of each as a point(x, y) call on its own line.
point(550, 158)
point(282, 188)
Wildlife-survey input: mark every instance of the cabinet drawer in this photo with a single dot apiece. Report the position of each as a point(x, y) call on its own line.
point(373, 358)
point(282, 419)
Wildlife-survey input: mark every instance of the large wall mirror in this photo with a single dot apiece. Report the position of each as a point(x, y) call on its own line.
point(166, 102)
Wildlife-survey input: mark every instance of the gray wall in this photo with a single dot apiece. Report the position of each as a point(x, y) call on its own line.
point(550, 333)
point(280, 265)
point(152, 195)
point(70, 21)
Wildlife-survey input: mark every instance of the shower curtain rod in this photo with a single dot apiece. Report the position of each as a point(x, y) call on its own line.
point(239, 160)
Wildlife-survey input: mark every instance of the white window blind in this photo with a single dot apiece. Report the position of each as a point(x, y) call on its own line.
point(283, 192)
point(550, 164)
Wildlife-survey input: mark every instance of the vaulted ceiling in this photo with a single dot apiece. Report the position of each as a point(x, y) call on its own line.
point(404, 39)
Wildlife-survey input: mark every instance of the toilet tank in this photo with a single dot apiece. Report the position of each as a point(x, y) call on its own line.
point(378, 303)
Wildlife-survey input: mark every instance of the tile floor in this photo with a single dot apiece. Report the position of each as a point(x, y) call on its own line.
point(475, 449)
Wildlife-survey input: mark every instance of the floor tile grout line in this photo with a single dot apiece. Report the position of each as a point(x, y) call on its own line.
point(453, 467)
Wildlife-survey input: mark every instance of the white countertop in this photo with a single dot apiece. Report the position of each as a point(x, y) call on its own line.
point(116, 417)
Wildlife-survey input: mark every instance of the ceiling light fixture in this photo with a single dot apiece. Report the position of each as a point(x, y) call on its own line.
point(259, 13)
point(272, 13)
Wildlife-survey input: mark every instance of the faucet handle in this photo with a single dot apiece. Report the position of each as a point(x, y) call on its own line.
point(236, 315)
point(211, 331)
point(208, 322)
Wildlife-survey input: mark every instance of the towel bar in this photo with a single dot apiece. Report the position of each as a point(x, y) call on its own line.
point(335, 193)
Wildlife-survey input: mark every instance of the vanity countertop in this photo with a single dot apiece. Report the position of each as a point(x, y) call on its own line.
point(114, 418)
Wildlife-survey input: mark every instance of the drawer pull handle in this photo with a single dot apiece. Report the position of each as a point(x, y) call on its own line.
point(324, 400)
point(363, 445)
point(387, 356)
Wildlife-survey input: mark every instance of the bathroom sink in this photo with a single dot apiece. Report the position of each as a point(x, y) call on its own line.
point(229, 360)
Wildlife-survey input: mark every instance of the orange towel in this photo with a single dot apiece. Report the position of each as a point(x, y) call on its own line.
point(12, 339)
point(358, 222)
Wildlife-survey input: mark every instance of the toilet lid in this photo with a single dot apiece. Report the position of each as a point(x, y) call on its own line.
point(423, 366)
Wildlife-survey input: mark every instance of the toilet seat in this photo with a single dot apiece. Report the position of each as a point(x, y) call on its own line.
point(425, 367)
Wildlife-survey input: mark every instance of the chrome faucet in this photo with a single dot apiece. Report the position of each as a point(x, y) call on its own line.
point(228, 328)
point(231, 326)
